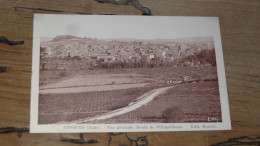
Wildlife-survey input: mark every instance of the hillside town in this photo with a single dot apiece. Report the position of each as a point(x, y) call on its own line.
point(67, 52)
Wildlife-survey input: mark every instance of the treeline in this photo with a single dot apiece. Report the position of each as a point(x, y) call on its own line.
point(132, 64)
point(206, 56)
point(203, 57)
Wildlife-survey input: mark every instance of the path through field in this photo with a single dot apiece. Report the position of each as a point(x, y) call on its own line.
point(140, 101)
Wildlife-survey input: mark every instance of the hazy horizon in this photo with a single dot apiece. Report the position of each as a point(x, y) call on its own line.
point(138, 27)
point(127, 39)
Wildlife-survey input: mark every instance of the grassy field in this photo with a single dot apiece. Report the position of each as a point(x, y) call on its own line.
point(157, 74)
point(99, 79)
point(69, 107)
point(193, 102)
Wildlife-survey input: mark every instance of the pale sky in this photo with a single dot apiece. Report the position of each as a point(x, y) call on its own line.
point(118, 26)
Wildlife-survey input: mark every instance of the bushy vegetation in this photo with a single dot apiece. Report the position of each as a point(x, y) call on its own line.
point(203, 57)
point(172, 115)
point(206, 56)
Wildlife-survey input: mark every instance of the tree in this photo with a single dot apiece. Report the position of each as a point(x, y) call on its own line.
point(207, 55)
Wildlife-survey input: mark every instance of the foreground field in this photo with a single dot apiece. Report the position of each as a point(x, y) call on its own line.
point(139, 102)
point(54, 108)
point(103, 91)
point(193, 102)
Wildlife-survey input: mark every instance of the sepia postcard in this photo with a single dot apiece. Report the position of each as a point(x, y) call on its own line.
point(100, 73)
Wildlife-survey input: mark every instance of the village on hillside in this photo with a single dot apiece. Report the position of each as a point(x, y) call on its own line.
point(89, 80)
point(70, 52)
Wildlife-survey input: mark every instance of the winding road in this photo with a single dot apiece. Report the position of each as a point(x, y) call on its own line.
point(140, 101)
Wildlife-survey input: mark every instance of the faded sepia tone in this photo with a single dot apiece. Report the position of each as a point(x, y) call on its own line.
point(240, 31)
point(86, 80)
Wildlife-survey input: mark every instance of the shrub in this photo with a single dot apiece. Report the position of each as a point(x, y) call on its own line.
point(207, 55)
point(63, 74)
point(172, 115)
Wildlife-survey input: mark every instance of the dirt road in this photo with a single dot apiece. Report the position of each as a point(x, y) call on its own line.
point(141, 101)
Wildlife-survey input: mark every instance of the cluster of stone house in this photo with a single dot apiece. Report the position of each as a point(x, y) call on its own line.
point(117, 51)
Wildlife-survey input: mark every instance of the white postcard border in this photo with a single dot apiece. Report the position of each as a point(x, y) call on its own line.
point(155, 127)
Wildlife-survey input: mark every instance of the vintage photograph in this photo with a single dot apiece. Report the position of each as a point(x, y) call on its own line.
point(86, 80)
point(94, 77)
